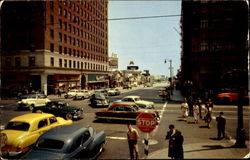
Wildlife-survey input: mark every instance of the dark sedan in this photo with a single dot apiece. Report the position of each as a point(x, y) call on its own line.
point(127, 111)
point(62, 109)
point(68, 142)
point(98, 100)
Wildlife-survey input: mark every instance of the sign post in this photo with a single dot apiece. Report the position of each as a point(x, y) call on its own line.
point(146, 122)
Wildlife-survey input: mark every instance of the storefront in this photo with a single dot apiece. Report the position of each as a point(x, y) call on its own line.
point(97, 81)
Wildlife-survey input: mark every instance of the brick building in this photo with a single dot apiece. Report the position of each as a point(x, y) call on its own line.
point(54, 44)
point(214, 43)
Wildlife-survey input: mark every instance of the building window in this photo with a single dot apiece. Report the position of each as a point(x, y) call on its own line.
point(60, 62)
point(60, 23)
point(32, 61)
point(60, 37)
point(18, 61)
point(65, 38)
point(52, 34)
point(65, 63)
point(51, 4)
point(204, 24)
point(78, 64)
point(52, 61)
point(60, 11)
point(204, 46)
point(65, 26)
point(70, 65)
point(70, 51)
point(74, 52)
point(51, 47)
point(60, 49)
point(81, 65)
point(65, 50)
point(74, 64)
point(8, 62)
point(51, 20)
point(70, 40)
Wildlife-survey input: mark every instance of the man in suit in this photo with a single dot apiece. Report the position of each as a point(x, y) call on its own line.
point(221, 123)
point(175, 149)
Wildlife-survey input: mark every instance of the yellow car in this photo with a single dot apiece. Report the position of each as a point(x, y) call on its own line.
point(23, 131)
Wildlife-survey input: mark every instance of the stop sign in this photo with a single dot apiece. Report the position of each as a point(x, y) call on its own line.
point(146, 122)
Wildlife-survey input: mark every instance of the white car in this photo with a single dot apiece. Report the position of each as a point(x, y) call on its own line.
point(32, 101)
point(82, 94)
point(137, 100)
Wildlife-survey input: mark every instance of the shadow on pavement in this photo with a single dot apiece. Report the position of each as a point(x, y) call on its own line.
point(209, 147)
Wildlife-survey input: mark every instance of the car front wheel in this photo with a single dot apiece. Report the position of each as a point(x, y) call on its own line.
point(69, 116)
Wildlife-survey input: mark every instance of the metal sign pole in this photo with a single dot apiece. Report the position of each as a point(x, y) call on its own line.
point(146, 142)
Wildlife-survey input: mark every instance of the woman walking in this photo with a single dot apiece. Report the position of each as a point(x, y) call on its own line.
point(208, 112)
point(184, 108)
point(196, 112)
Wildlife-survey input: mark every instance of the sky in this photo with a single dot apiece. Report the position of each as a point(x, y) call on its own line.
point(148, 41)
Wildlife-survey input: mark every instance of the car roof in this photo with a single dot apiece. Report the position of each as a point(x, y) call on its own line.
point(31, 117)
point(64, 132)
point(124, 103)
point(132, 97)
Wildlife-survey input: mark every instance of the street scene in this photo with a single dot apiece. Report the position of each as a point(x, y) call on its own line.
point(104, 79)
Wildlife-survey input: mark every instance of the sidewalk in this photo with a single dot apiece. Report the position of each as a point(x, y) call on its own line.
point(204, 148)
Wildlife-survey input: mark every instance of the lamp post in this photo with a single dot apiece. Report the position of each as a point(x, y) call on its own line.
point(1, 3)
point(171, 75)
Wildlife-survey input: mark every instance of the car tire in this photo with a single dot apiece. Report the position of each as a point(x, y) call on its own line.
point(68, 116)
point(31, 107)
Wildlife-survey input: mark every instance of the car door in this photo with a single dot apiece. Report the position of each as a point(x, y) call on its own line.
point(42, 126)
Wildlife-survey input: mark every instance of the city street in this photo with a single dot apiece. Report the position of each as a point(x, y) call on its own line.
point(117, 147)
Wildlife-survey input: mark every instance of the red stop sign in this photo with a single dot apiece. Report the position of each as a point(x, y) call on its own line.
point(146, 122)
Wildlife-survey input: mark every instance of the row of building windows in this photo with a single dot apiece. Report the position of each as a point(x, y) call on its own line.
point(77, 53)
point(77, 64)
point(67, 63)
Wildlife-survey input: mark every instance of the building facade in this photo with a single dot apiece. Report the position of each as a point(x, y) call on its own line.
point(214, 43)
point(54, 44)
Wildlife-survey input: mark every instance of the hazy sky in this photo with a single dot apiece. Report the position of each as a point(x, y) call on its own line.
point(147, 42)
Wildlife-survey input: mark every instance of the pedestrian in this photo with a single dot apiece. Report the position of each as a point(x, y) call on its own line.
point(199, 102)
point(196, 111)
point(208, 112)
point(175, 149)
point(184, 108)
point(190, 106)
point(133, 136)
point(221, 123)
point(59, 93)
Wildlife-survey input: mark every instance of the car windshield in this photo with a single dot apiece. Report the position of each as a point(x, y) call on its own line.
point(21, 126)
point(50, 144)
point(137, 99)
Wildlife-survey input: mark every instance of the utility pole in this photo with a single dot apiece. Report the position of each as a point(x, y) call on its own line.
point(171, 75)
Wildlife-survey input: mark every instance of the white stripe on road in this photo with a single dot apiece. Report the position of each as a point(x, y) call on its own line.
point(161, 115)
point(117, 138)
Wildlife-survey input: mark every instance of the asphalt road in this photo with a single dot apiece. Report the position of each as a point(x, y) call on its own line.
point(117, 147)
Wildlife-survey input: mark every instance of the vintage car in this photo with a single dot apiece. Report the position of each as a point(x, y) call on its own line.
point(113, 92)
point(61, 109)
point(137, 100)
point(125, 111)
point(231, 97)
point(98, 100)
point(23, 131)
point(126, 86)
point(81, 94)
point(32, 100)
point(103, 91)
point(68, 142)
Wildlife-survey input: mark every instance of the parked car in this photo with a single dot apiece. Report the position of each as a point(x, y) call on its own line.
point(98, 100)
point(231, 97)
point(125, 111)
point(70, 94)
point(148, 85)
point(113, 92)
point(103, 91)
point(127, 86)
point(81, 94)
point(23, 131)
point(61, 109)
point(138, 101)
point(68, 142)
point(32, 100)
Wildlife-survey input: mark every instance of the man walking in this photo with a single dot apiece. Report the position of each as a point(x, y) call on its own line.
point(221, 123)
point(175, 149)
point(133, 136)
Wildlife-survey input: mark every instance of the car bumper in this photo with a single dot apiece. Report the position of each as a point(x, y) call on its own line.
point(78, 114)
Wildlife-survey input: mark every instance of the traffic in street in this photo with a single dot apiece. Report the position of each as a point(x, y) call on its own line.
point(116, 146)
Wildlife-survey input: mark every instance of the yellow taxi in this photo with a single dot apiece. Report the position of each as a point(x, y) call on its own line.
point(23, 131)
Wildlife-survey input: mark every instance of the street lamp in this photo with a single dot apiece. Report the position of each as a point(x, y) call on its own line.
point(171, 74)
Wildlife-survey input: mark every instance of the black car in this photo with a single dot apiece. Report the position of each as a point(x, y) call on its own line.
point(62, 109)
point(99, 100)
point(68, 142)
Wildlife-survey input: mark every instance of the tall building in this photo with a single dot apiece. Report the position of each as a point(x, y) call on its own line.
point(54, 44)
point(214, 43)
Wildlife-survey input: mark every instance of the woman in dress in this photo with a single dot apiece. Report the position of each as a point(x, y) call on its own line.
point(196, 111)
point(208, 111)
point(184, 108)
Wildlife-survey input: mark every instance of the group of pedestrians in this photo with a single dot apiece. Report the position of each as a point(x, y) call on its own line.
point(193, 108)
